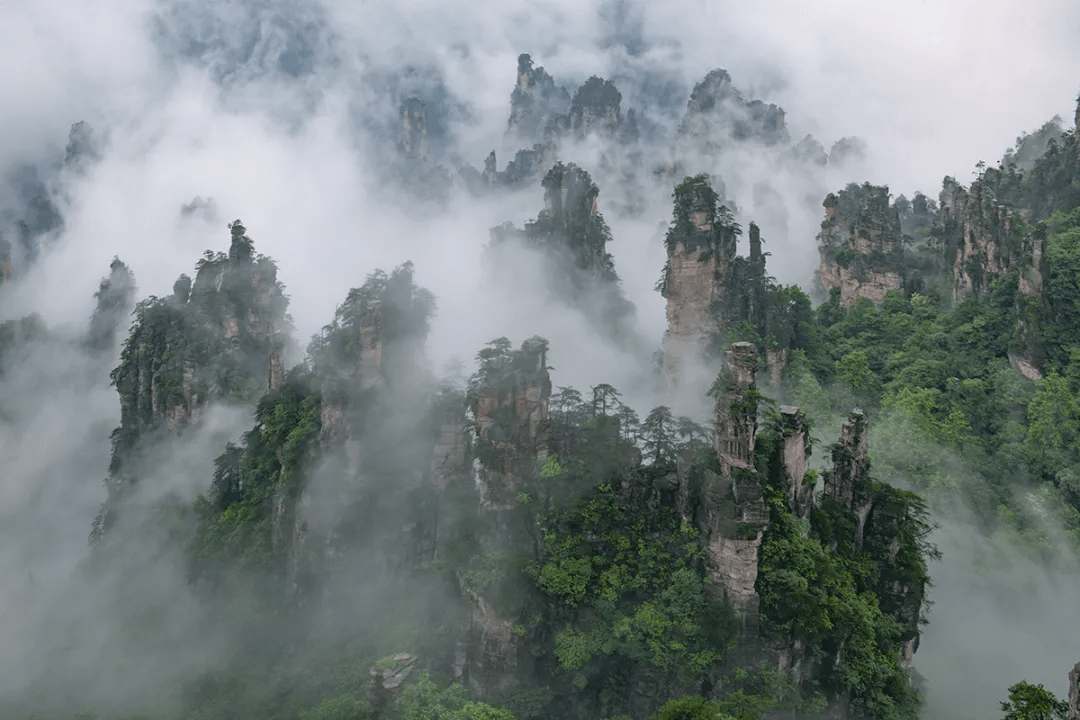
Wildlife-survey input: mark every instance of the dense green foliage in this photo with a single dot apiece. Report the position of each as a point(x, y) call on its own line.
point(554, 564)
point(236, 523)
point(947, 411)
point(695, 199)
point(1033, 702)
point(638, 574)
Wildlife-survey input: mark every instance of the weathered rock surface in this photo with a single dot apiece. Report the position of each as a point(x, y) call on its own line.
point(794, 462)
point(510, 404)
point(847, 483)
point(595, 109)
point(413, 130)
point(219, 338)
point(534, 102)
point(493, 649)
point(978, 236)
point(981, 239)
point(450, 453)
point(388, 679)
point(115, 299)
point(733, 516)
point(701, 245)
point(860, 244)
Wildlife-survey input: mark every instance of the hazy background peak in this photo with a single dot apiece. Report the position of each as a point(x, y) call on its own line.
point(287, 114)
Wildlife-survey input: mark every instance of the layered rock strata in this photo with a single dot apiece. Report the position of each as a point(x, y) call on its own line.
point(701, 245)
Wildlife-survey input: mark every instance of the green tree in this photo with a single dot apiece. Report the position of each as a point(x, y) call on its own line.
point(693, 707)
point(629, 422)
point(1052, 415)
point(604, 396)
point(340, 707)
point(1033, 702)
point(424, 700)
point(854, 370)
point(658, 433)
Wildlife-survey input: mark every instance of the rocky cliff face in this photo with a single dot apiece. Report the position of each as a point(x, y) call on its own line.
point(977, 235)
point(791, 462)
point(979, 239)
point(534, 102)
point(220, 338)
point(860, 244)
point(83, 148)
point(452, 449)
point(543, 116)
point(732, 509)
point(712, 293)
point(718, 114)
point(34, 191)
point(595, 109)
point(115, 300)
point(372, 388)
point(412, 130)
point(1074, 674)
point(847, 483)
point(733, 515)
point(509, 401)
point(701, 248)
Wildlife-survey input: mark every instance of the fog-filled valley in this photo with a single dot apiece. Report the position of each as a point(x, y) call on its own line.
point(570, 360)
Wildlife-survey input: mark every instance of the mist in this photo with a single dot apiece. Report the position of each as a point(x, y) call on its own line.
point(285, 114)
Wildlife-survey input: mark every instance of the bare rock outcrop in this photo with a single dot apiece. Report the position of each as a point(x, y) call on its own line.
point(701, 245)
point(450, 453)
point(978, 236)
point(860, 244)
point(493, 648)
point(730, 509)
point(115, 300)
point(982, 239)
point(534, 102)
point(792, 462)
point(388, 678)
point(1074, 674)
point(847, 483)
point(509, 400)
point(413, 129)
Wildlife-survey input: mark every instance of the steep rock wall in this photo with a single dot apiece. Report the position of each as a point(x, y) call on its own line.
point(981, 239)
point(730, 508)
point(510, 404)
point(860, 244)
point(978, 236)
point(219, 338)
point(535, 100)
point(701, 248)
